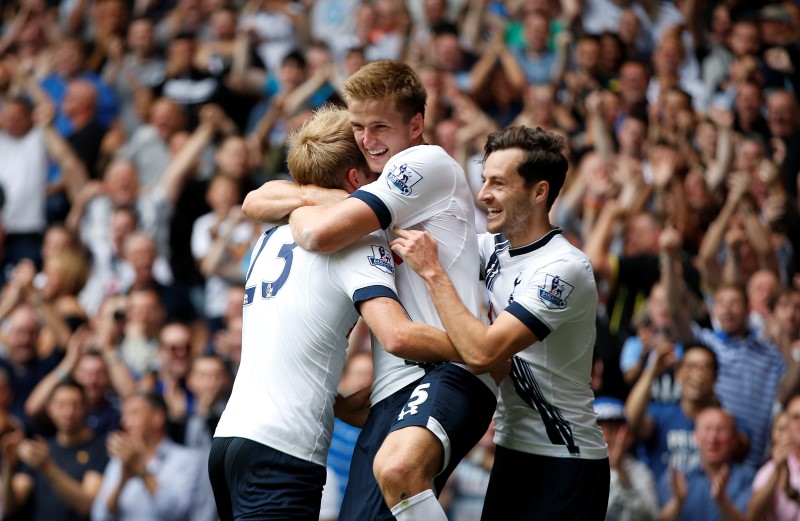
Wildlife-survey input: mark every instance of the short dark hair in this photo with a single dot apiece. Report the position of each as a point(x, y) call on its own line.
point(696, 344)
point(154, 401)
point(23, 101)
point(736, 287)
point(185, 35)
point(637, 63)
point(69, 383)
point(443, 28)
point(542, 160)
point(296, 58)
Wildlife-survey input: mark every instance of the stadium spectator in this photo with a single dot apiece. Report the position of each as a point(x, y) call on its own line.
point(751, 371)
point(775, 485)
point(666, 429)
point(24, 364)
point(719, 488)
point(632, 491)
point(149, 476)
point(62, 474)
point(23, 175)
point(71, 63)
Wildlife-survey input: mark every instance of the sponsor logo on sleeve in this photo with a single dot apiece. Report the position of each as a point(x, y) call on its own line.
point(555, 291)
point(382, 259)
point(403, 178)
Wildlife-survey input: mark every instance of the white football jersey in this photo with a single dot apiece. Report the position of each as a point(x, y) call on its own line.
point(299, 309)
point(545, 405)
point(423, 188)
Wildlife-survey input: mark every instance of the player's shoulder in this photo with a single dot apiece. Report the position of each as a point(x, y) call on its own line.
point(560, 254)
point(369, 252)
point(564, 247)
point(424, 155)
point(272, 237)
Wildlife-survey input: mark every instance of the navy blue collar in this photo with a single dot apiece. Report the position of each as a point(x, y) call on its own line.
point(535, 245)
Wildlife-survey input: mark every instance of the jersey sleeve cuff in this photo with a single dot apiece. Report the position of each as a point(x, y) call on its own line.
point(374, 202)
point(529, 319)
point(371, 292)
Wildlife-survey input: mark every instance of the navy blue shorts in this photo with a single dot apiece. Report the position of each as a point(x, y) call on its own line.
point(456, 407)
point(362, 498)
point(553, 488)
point(255, 482)
point(449, 401)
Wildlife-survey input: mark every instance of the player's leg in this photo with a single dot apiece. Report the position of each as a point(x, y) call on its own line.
point(404, 468)
point(447, 413)
point(267, 484)
point(362, 497)
point(553, 488)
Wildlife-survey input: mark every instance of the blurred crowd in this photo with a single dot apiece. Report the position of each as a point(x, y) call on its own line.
point(131, 130)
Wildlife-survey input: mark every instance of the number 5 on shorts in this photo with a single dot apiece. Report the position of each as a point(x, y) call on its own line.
point(417, 397)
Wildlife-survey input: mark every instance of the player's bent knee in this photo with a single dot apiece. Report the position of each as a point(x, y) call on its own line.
point(407, 463)
point(399, 479)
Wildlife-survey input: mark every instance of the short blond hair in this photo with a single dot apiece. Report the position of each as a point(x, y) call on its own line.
point(73, 267)
point(388, 79)
point(323, 150)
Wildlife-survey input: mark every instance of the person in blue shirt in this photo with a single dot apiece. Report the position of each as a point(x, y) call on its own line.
point(719, 488)
point(666, 429)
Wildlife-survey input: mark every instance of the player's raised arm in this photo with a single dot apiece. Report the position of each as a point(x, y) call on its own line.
point(480, 346)
point(330, 228)
point(275, 200)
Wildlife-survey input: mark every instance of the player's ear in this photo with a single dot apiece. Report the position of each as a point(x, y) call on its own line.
point(417, 125)
point(355, 178)
point(540, 191)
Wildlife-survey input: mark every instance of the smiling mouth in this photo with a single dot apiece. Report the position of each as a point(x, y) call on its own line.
point(376, 153)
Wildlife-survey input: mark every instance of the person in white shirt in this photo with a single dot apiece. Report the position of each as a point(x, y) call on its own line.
point(215, 238)
point(542, 309)
point(424, 421)
point(149, 476)
point(299, 309)
point(23, 177)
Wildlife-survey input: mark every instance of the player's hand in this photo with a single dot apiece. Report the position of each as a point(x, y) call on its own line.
point(353, 409)
point(317, 196)
point(419, 249)
point(500, 371)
